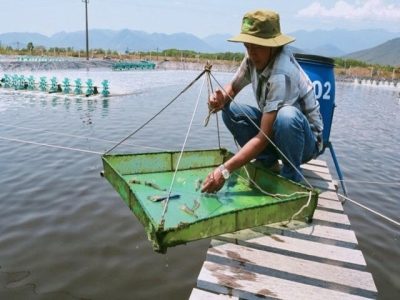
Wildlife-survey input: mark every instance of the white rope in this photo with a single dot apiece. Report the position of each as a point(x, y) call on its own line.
point(372, 182)
point(270, 141)
point(251, 181)
point(51, 146)
point(79, 137)
point(275, 195)
point(157, 114)
point(278, 196)
point(180, 155)
point(369, 209)
point(301, 209)
point(161, 149)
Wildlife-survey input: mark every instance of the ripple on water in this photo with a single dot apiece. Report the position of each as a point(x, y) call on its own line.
point(70, 233)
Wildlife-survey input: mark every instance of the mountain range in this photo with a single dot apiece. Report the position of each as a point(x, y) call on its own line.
point(372, 46)
point(387, 53)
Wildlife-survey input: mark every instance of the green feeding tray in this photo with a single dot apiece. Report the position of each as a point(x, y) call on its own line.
point(144, 180)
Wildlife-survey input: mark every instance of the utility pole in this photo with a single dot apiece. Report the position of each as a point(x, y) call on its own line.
point(87, 30)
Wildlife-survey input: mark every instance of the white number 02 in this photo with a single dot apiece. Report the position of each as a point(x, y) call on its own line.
point(319, 90)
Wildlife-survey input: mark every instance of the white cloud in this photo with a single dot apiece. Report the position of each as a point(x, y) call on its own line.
point(372, 10)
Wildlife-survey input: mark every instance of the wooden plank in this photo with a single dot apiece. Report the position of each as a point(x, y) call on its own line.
point(322, 217)
point(329, 195)
point(314, 165)
point(320, 184)
point(249, 285)
point(301, 248)
point(204, 295)
point(318, 162)
point(313, 273)
point(329, 205)
point(317, 175)
point(336, 184)
point(293, 260)
point(322, 170)
point(313, 162)
point(314, 232)
point(319, 233)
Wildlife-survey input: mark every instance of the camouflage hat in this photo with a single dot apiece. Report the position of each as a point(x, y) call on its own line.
point(261, 27)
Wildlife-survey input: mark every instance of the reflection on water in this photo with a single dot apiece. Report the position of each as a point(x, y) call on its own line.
point(65, 232)
point(79, 103)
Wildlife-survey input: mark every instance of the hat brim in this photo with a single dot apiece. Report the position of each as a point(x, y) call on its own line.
point(277, 41)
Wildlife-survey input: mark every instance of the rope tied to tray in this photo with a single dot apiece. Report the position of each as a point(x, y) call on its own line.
point(208, 67)
point(251, 181)
point(183, 147)
point(208, 79)
point(262, 132)
point(211, 111)
point(207, 70)
point(158, 113)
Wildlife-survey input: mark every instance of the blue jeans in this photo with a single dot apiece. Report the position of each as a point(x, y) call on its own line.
point(291, 134)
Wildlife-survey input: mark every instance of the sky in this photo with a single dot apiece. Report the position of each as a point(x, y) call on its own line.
point(198, 17)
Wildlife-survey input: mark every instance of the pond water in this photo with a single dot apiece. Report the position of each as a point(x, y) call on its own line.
point(65, 233)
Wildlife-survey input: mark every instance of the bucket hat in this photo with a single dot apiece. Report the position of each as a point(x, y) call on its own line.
point(262, 27)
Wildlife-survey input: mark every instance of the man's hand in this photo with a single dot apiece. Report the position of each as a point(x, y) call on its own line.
point(213, 182)
point(220, 98)
point(216, 101)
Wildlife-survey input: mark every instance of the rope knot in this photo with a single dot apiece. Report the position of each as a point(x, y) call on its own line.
point(208, 66)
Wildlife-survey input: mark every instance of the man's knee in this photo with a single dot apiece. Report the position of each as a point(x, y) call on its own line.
point(288, 113)
point(226, 116)
point(288, 117)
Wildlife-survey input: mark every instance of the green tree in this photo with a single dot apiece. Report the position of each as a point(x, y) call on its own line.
point(30, 47)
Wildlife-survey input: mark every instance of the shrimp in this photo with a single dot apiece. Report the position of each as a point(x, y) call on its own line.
point(153, 185)
point(196, 204)
point(198, 183)
point(188, 210)
point(134, 180)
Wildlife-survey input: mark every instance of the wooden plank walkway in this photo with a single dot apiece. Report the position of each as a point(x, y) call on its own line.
point(301, 261)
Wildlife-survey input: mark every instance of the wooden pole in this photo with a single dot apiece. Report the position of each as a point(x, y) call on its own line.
point(87, 29)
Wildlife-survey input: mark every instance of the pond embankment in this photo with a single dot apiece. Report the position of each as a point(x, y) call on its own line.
point(11, 64)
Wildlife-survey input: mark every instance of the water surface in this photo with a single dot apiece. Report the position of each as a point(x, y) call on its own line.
point(65, 233)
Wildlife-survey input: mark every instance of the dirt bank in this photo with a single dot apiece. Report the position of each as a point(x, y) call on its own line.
point(8, 65)
point(11, 64)
point(15, 65)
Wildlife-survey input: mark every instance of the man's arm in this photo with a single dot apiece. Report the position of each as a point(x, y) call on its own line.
point(215, 181)
point(255, 146)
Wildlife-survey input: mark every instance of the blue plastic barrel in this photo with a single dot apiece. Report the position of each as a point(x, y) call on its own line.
point(320, 70)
